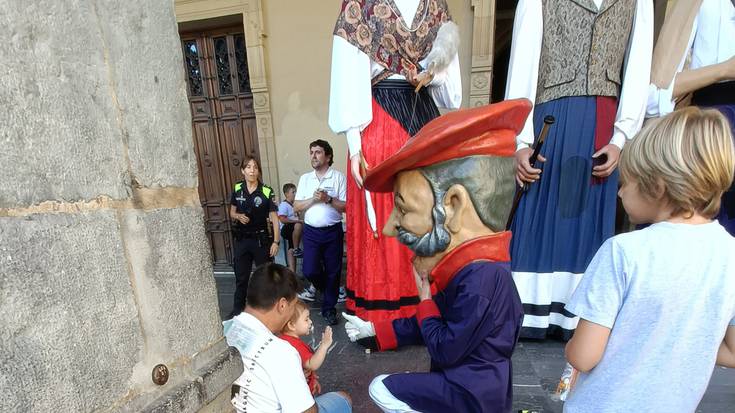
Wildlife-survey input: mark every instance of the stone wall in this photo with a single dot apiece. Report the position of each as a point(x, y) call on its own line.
point(105, 268)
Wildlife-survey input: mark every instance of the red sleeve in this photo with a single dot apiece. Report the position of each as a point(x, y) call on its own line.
point(425, 309)
point(304, 351)
point(385, 335)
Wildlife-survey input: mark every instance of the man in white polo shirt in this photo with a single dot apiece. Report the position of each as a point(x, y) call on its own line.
point(321, 196)
point(273, 379)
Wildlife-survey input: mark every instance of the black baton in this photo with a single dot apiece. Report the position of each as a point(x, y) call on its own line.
point(537, 144)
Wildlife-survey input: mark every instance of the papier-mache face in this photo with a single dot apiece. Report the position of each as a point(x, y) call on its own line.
point(416, 220)
point(453, 181)
point(441, 206)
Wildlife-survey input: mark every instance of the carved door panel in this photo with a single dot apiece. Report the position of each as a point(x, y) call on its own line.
point(223, 125)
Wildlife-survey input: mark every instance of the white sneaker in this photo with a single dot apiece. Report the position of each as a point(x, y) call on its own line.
point(342, 295)
point(309, 294)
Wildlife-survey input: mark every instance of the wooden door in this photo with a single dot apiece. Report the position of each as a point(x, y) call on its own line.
point(223, 125)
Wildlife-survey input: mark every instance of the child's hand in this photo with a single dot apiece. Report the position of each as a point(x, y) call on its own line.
point(316, 387)
point(327, 337)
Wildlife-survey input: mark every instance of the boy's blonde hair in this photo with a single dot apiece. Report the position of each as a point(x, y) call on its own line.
point(689, 154)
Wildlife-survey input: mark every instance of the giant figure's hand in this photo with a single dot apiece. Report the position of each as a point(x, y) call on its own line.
point(525, 172)
point(422, 79)
point(422, 284)
point(355, 169)
point(358, 328)
point(610, 153)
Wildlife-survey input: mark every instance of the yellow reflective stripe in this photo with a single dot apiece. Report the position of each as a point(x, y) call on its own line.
point(238, 186)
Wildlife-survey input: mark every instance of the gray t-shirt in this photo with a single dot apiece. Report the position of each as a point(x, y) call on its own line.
point(286, 210)
point(668, 294)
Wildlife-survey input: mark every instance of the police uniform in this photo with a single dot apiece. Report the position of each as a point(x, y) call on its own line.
point(252, 240)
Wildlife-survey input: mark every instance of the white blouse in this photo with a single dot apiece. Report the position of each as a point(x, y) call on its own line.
point(524, 64)
point(350, 95)
point(712, 41)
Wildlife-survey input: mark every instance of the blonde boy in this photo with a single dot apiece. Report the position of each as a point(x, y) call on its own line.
point(657, 306)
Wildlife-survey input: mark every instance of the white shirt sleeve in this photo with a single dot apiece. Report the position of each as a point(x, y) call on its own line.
point(446, 87)
point(342, 190)
point(599, 295)
point(637, 76)
point(525, 54)
point(661, 100)
point(350, 95)
point(302, 192)
point(290, 385)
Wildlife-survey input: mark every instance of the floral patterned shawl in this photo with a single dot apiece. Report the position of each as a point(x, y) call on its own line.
point(377, 28)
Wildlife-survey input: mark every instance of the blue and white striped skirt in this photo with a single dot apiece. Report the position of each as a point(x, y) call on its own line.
point(562, 220)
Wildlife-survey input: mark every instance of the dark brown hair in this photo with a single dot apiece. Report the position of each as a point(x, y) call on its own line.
point(269, 283)
point(287, 187)
point(327, 149)
point(246, 160)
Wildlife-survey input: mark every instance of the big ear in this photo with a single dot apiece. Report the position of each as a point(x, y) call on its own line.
point(289, 326)
point(456, 201)
point(282, 305)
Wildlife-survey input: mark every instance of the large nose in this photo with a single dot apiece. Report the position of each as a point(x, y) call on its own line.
point(391, 226)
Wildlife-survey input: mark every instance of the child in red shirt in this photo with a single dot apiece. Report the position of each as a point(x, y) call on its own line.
point(300, 325)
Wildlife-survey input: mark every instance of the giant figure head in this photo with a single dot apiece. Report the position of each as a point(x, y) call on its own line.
point(453, 181)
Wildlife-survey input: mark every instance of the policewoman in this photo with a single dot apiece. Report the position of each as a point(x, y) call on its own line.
point(251, 205)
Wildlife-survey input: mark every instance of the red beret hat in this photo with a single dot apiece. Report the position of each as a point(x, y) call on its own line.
point(487, 130)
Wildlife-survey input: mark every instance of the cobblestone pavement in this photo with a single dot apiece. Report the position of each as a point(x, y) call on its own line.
point(536, 367)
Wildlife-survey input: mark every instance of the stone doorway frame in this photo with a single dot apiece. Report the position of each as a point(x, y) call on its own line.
point(252, 17)
point(483, 52)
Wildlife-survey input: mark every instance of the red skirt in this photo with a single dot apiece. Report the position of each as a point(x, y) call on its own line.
point(380, 284)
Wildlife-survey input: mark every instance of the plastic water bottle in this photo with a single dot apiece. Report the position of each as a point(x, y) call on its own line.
point(566, 382)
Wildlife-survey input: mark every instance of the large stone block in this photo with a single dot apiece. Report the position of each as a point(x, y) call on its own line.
point(94, 106)
point(70, 329)
point(170, 259)
point(98, 85)
point(60, 136)
point(146, 67)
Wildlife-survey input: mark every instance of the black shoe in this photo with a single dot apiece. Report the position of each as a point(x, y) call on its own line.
point(331, 319)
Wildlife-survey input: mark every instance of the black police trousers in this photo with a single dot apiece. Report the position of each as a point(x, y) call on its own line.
point(247, 250)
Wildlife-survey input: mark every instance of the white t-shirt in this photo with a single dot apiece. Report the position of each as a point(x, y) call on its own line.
point(273, 380)
point(668, 294)
point(286, 210)
point(322, 215)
